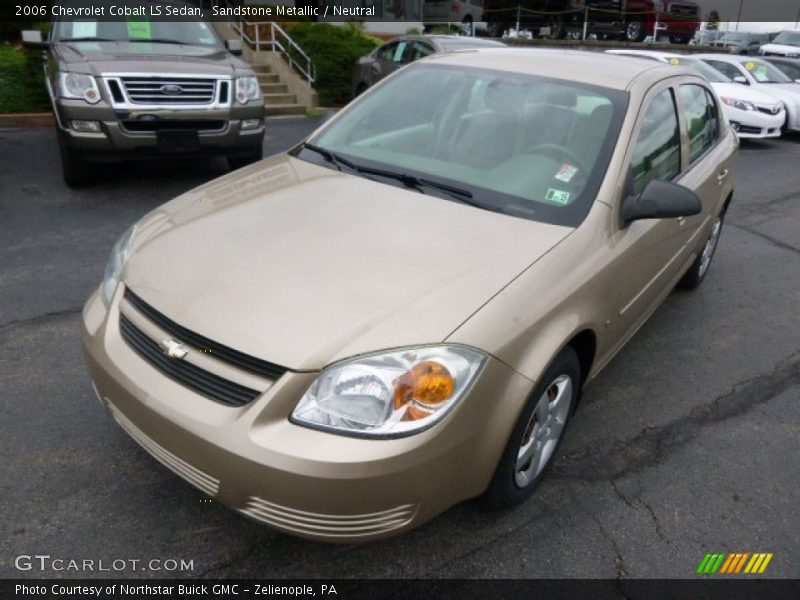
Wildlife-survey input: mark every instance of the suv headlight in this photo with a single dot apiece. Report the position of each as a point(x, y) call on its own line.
point(78, 86)
point(247, 89)
point(740, 104)
point(391, 394)
point(116, 262)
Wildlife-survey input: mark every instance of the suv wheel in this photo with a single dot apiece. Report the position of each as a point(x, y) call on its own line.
point(75, 171)
point(239, 161)
point(635, 31)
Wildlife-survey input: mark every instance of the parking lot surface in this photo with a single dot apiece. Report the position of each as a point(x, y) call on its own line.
point(687, 443)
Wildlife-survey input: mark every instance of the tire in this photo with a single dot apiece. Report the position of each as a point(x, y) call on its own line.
point(699, 269)
point(635, 31)
point(496, 29)
point(679, 39)
point(360, 89)
point(514, 480)
point(237, 162)
point(466, 24)
point(75, 171)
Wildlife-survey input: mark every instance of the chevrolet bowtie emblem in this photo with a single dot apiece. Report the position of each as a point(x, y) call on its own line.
point(174, 349)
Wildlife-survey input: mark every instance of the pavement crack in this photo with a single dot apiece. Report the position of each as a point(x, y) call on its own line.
point(43, 317)
point(232, 561)
point(638, 503)
point(616, 459)
point(775, 242)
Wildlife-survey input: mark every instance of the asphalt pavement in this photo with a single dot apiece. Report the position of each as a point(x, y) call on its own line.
point(687, 443)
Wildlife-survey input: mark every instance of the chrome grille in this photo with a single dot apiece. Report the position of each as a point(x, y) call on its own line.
point(169, 90)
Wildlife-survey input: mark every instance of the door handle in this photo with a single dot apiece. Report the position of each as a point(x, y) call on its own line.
point(722, 175)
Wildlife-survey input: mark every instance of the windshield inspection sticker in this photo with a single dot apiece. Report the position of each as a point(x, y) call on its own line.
point(750, 66)
point(566, 172)
point(139, 30)
point(557, 196)
point(674, 61)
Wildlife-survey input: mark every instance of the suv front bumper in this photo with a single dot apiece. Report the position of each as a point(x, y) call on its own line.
point(219, 131)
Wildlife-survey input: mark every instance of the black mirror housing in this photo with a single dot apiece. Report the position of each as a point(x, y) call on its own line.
point(660, 200)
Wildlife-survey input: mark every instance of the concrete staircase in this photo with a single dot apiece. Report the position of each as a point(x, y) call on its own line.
point(278, 99)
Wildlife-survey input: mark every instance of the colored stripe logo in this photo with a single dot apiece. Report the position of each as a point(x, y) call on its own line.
point(734, 563)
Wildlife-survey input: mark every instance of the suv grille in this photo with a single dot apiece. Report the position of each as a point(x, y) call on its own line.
point(165, 90)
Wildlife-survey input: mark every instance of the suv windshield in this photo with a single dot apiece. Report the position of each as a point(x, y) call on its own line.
point(789, 38)
point(764, 72)
point(523, 145)
point(195, 33)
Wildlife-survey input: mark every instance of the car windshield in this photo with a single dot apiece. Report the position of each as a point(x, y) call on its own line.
point(522, 145)
point(763, 72)
point(195, 33)
point(789, 38)
point(706, 70)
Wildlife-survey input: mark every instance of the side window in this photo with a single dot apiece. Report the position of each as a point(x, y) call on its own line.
point(658, 149)
point(702, 122)
point(387, 52)
point(420, 50)
point(725, 68)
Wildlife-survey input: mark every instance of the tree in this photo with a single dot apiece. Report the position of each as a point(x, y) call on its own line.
point(712, 22)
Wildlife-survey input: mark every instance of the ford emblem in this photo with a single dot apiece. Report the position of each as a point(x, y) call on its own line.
point(171, 89)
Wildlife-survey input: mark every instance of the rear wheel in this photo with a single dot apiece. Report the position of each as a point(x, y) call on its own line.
point(75, 171)
point(558, 29)
point(679, 39)
point(697, 272)
point(239, 161)
point(538, 433)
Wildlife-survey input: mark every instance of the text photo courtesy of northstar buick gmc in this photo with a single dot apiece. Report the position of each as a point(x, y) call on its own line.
point(349, 362)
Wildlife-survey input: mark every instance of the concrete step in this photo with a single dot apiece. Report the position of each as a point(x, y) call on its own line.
point(280, 99)
point(274, 88)
point(285, 109)
point(268, 78)
point(262, 69)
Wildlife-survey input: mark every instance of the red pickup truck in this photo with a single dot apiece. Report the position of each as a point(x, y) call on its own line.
point(632, 20)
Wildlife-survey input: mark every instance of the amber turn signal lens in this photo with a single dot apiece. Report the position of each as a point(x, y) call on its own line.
point(428, 384)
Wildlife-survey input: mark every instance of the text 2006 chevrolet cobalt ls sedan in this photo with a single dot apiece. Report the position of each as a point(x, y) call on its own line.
point(397, 315)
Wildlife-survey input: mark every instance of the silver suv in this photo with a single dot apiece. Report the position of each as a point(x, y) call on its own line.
point(148, 90)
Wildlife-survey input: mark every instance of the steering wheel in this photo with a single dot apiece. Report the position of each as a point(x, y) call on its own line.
point(563, 153)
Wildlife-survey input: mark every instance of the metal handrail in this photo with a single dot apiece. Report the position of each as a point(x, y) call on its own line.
point(306, 67)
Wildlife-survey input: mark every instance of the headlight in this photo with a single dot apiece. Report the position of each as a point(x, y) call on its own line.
point(119, 256)
point(740, 104)
point(79, 86)
point(247, 89)
point(389, 395)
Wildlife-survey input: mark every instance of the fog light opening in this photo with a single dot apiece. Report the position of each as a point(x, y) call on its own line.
point(735, 125)
point(251, 124)
point(86, 126)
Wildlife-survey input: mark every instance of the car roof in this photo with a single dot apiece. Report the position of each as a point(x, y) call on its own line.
point(439, 38)
point(594, 68)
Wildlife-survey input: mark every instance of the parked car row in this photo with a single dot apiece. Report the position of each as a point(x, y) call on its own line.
point(759, 99)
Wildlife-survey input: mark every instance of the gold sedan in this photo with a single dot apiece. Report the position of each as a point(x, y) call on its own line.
point(398, 314)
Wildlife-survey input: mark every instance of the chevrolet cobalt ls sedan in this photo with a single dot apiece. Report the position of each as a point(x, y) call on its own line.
point(398, 314)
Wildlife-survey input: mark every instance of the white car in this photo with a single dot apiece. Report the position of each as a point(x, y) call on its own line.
point(751, 113)
point(786, 43)
point(761, 76)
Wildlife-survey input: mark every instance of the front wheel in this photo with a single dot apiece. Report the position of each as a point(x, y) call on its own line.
point(75, 171)
point(537, 434)
point(697, 272)
point(635, 31)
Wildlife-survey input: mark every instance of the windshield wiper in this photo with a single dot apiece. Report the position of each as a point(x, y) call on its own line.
point(87, 39)
point(161, 41)
point(410, 181)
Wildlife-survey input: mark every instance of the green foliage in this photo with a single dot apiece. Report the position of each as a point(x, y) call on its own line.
point(414, 31)
point(334, 50)
point(22, 86)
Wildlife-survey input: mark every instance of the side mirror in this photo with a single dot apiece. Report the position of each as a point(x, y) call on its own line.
point(660, 200)
point(741, 79)
point(234, 47)
point(33, 39)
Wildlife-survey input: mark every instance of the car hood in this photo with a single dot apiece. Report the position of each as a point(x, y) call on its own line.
point(302, 265)
point(788, 93)
point(784, 49)
point(98, 58)
point(742, 92)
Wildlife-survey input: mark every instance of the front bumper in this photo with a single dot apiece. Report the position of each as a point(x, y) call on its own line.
point(220, 131)
point(755, 124)
point(302, 481)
